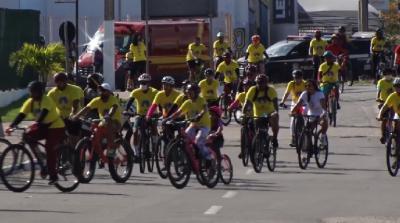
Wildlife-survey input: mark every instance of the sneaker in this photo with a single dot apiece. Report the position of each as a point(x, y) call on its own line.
point(240, 155)
point(275, 143)
point(53, 180)
point(293, 142)
point(383, 140)
point(338, 106)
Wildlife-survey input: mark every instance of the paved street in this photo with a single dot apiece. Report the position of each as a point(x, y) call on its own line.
point(354, 187)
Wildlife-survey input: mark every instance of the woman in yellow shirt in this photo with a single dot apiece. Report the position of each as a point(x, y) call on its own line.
point(209, 88)
point(139, 57)
point(194, 57)
point(255, 53)
point(48, 125)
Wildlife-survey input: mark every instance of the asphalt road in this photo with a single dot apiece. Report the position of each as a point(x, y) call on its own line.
point(354, 186)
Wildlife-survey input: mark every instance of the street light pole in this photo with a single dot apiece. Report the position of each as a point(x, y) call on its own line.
point(77, 37)
point(363, 15)
point(109, 44)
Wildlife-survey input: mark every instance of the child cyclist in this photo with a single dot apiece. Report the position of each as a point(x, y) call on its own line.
point(216, 127)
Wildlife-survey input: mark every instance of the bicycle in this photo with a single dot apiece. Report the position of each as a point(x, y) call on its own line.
point(246, 137)
point(89, 152)
point(262, 148)
point(146, 146)
point(392, 147)
point(19, 161)
point(309, 145)
point(183, 158)
point(166, 136)
point(332, 106)
point(225, 168)
point(225, 100)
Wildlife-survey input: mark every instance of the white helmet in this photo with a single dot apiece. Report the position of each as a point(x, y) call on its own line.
point(168, 80)
point(106, 86)
point(396, 81)
point(220, 34)
point(144, 78)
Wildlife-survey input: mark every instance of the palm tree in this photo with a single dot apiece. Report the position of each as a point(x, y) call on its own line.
point(44, 60)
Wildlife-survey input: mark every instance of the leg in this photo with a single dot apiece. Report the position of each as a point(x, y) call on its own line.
point(200, 141)
point(274, 123)
point(137, 123)
point(53, 139)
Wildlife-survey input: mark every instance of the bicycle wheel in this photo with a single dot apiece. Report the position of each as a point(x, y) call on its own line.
point(209, 171)
point(244, 145)
point(237, 114)
point(150, 155)
point(17, 168)
point(67, 181)
point(303, 150)
point(161, 153)
point(332, 111)
point(299, 125)
point(226, 115)
point(178, 166)
point(392, 156)
point(226, 169)
point(257, 158)
point(143, 145)
point(270, 155)
point(121, 164)
point(85, 162)
point(321, 152)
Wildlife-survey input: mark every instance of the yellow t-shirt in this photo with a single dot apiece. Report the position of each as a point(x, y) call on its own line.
point(331, 76)
point(166, 102)
point(296, 89)
point(318, 47)
point(138, 53)
point(386, 88)
point(34, 107)
point(104, 107)
point(377, 45)
point(261, 105)
point(192, 108)
point(219, 48)
point(256, 54)
point(229, 71)
point(143, 99)
point(209, 91)
point(393, 101)
point(241, 97)
point(65, 98)
point(180, 99)
point(196, 50)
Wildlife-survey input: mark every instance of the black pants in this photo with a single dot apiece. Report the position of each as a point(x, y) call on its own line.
point(139, 68)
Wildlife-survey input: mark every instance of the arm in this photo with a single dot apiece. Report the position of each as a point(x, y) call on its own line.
point(247, 56)
point(246, 105)
point(173, 109)
point(151, 110)
point(17, 120)
point(310, 51)
point(383, 110)
point(42, 116)
point(75, 106)
point(276, 106)
point(174, 115)
point(234, 105)
point(82, 112)
point(319, 78)
point(112, 110)
point(378, 95)
point(296, 106)
point(129, 103)
point(323, 104)
point(286, 95)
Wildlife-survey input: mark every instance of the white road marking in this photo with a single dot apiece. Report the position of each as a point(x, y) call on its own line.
point(213, 210)
point(229, 194)
point(249, 171)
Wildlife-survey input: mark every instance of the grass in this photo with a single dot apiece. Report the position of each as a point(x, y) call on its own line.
point(8, 113)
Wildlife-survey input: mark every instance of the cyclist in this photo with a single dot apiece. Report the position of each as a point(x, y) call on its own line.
point(265, 103)
point(48, 124)
point(316, 50)
point(335, 47)
point(392, 102)
point(194, 57)
point(396, 60)
point(342, 38)
point(68, 99)
point(110, 113)
point(328, 75)
point(294, 88)
point(377, 48)
point(255, 53)
point(314, 101)
point(139, 57)
point(216, 127)
point(209, 88)
point(143, 97)
point(165, 98)
point(180, 99)
point(220, 47)
point(384, 89)
point(93, 82)
point(230, 71)
point(129, 67)
point(241, 97)
point(195, 109)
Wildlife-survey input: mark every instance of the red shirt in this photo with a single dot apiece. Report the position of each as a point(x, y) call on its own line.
point(336, 49)
point(397, 52)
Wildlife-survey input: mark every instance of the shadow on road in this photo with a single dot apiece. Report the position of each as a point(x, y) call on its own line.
point(245, 185)
point(36, 211)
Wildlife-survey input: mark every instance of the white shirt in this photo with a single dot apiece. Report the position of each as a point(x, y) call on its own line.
point(313, 105)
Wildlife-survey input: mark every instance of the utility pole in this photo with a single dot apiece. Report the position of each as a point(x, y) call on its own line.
point(363, 15)
point(109, 44)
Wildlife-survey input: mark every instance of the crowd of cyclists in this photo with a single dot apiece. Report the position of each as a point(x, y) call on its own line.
point(60, 111)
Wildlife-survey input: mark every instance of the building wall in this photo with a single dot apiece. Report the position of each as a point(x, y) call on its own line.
point(282, 30)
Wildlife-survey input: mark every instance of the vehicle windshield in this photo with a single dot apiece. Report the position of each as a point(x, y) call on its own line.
point(121, 41)
point(281, 48)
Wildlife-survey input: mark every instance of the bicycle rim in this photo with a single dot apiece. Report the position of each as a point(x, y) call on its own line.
point(160, 157)
point(244, 146)
point(392, 156)
point(226, 169)
point(226, 115)
point(321, 152)
point(178, 166)
point(17, 168)
point(67, 181)
point(303, 151)
point(257, 154)
point(271, 157)
point(210, 173)
point(85, 164)
point(121, 164)
point(151, 155)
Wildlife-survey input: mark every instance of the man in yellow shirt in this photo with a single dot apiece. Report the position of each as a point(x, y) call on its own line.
point(229, 70)
point(316, 50)
point(194, 57)
point(195, 109)
point(139, 56)
point(255, 53)
point(165, 98)
point(328, 73)
point(265, 103)
point(384, 89)
point(209, 88)
point(241, 98)
point(48, 124)
point(392, 102)
point(377, 49)
point(294, 88)
point(220, 47)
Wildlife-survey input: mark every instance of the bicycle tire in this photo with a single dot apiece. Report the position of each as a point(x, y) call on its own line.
point(321, 160)
point(178, 159)
point(257, 157)
point(114, 163)
point(210, 174)
point(151, 153)
point(67, 180)
point(16, 149)
point(160, 157)
point(271, 155)
point(226, 116)
point(332, 111)
point(244, 146)
point(392, 152)
point(142, 145)
point(303, 151)
point(237, 113)
point(226, 166)
point(84, 148)
point(299, 125)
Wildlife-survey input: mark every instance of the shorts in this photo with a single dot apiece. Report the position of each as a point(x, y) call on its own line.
point(192, 64)
point(138, 68)
point(73, 127)
point(327, 87)
point(261, 123)
point(212, 102)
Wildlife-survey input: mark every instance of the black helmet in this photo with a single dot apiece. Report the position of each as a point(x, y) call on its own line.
point(379, 30)
point(261, 79)
point(297, 73)
point(208, 72)
point(61, 76)
point(227, 55)
point(193, 87)
point(342, 29)
point(248, 82)
point(96, 78)
point(36, 86)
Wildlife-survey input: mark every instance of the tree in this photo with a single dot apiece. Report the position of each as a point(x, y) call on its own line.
point(391, 21)
point(44, 60)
